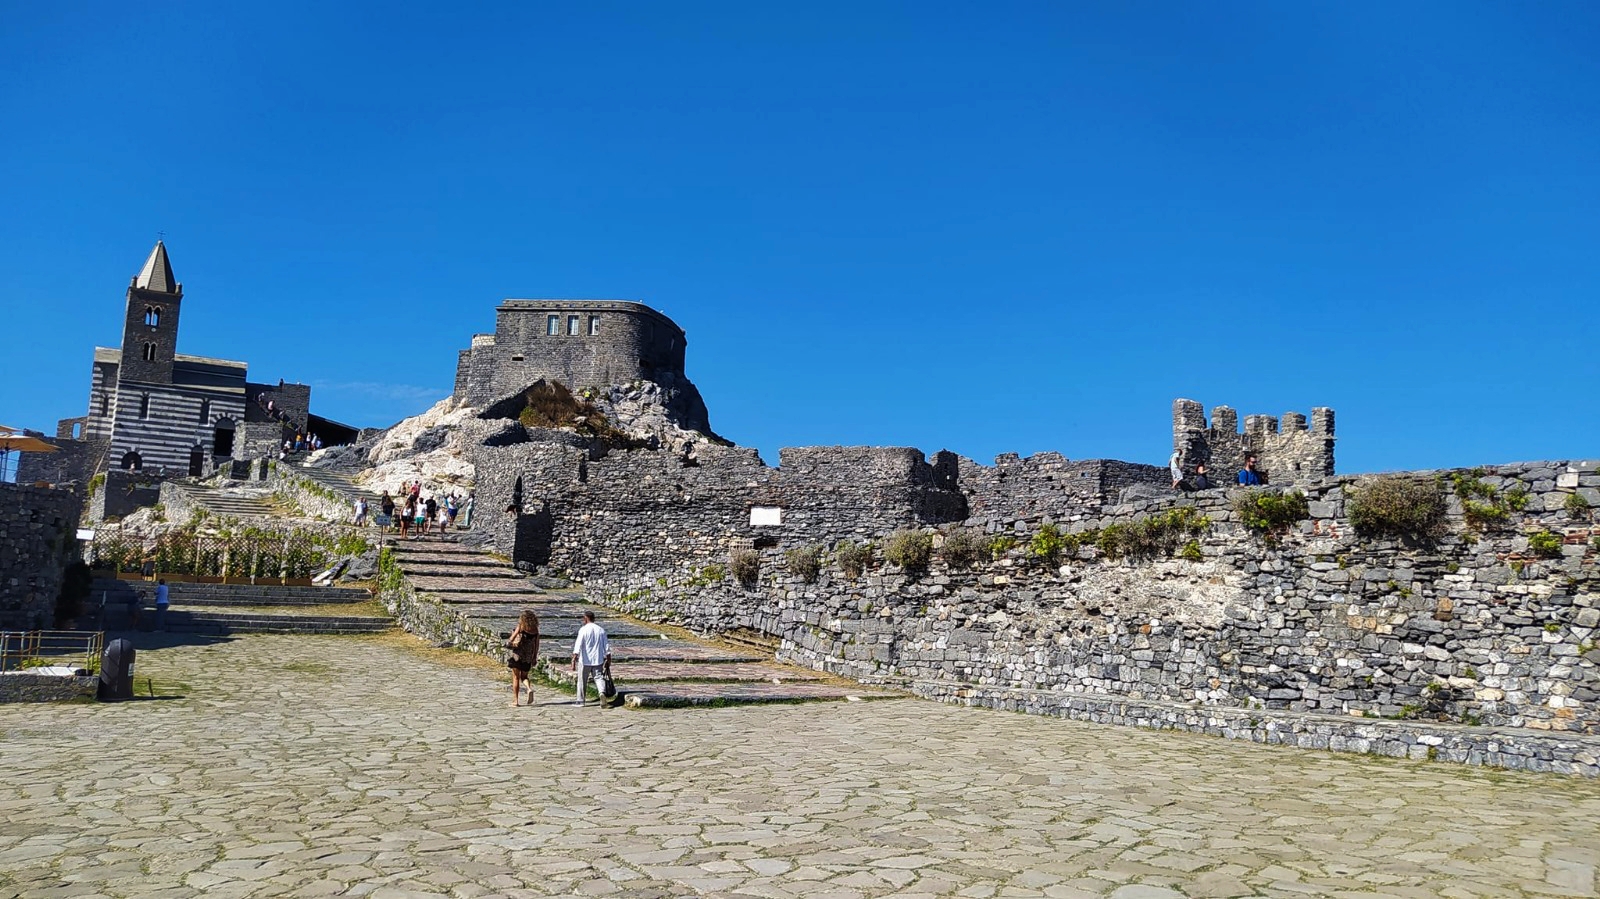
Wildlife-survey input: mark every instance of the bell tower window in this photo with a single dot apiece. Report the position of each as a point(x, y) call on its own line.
point(149, 352)
point(152, 316)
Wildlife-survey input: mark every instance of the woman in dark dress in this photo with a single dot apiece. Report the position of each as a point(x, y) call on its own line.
point(523, 654)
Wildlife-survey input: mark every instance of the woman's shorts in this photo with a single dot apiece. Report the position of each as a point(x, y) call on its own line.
point(519, 666)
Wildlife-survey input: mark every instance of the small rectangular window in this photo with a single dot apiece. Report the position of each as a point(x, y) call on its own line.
point(594, 325)
point(572, 326)
point(552, 325)
point(516, 358)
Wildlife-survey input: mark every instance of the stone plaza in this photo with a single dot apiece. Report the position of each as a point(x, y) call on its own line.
point(321, 766)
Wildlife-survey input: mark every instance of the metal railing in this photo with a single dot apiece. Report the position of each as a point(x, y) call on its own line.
point(21, 650)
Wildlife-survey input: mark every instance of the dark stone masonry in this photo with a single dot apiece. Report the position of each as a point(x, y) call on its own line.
point(1485, 647)
point(38, 528)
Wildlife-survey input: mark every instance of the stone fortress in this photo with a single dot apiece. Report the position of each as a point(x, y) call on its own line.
point(156, 413)
point(1310, 634)
point(1307, 632)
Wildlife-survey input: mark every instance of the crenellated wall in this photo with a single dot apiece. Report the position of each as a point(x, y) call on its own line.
point(1287, 452)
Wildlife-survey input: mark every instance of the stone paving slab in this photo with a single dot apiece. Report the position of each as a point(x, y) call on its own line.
point(475, 572)
point(689, 693)
point(656, 650)
point(565, 628)
point(641, 671)
point(470, 559)
point(473, 585)
point(532, 600)
point(312, 766)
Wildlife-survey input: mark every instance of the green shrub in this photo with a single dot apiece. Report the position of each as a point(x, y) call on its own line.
point(1000, 545)
point(1470, 483)
point(1046, 544)
point(1517, 499)
point(804, 561)
point(746, 566)
point(1111, 541)
point(1482, 516)
point(1576, 505)
point(1397, 506)
point(1545, 544)
point(1269, 511)
point(853, 557)
point(962, 548)
point(910, 550)
point(1191, 551)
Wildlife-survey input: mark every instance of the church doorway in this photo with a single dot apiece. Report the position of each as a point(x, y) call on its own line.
point(222, 439)
point(131, 461)
point(197, 460)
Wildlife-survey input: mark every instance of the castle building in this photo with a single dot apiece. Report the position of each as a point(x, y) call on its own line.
point(157, 411)
point(581, 343)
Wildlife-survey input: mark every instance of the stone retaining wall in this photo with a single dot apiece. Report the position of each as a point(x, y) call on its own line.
point(1478, 629)
point(38, 539)
point(19, 687)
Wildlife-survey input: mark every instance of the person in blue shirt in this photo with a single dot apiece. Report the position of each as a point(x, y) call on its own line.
point(1248, 476)
point(161, 605)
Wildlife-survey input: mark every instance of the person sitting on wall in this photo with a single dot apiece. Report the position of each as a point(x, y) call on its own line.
point(1200, 481)
point(1248, 476)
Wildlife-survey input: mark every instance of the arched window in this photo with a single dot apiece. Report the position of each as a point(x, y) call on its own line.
point(105, 402)
point(131, 461)
point(152, 315)
point(205, 411)
point(77, 430)
point(149, 352)
point(144, 405)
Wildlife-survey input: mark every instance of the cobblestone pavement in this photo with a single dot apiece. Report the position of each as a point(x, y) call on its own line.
point(312, 766)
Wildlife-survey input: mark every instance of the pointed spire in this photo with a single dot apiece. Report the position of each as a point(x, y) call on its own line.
point(157, 272)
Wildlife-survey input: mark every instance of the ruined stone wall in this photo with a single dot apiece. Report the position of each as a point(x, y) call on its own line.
point(584, 512)
point(122, 493)
point(69, 464)
point(38, 538)
point(1287, 452)
point(1477, 629)
point(1047, 487)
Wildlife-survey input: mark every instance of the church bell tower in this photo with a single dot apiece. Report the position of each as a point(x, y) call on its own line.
point(150, 332)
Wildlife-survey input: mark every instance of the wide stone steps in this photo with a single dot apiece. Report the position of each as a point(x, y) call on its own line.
point(188, 594)
point(223, 623)
point(225, 504)
point(338, 483)
point(487, 596)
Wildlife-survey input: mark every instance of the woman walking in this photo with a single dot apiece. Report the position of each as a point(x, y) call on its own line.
point(523, 654)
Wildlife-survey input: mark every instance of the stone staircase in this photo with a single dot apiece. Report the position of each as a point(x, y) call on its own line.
point(485, 595)
point(339, 483)
point(224, 503)
point(228, 609)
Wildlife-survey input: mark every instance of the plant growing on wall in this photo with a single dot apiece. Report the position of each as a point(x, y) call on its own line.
point(962, 547)
point(746, 567)
point(1271, 513)
point(1576, 506)
point(853, 557)
point(1545, 544)
point(804, 562)
point(1482, 506)
point(910, 550)
point(1000, 545)
point(1397, 506)
point(1046, 544)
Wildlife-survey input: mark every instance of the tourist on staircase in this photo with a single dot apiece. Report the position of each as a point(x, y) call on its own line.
point(590, 655)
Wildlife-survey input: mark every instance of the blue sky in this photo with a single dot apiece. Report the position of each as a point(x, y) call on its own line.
point(982, 227)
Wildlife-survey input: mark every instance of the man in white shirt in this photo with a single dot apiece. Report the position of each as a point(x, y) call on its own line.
point(589, 653)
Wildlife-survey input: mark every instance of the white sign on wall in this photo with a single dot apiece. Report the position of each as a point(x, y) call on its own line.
point(766, 515)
